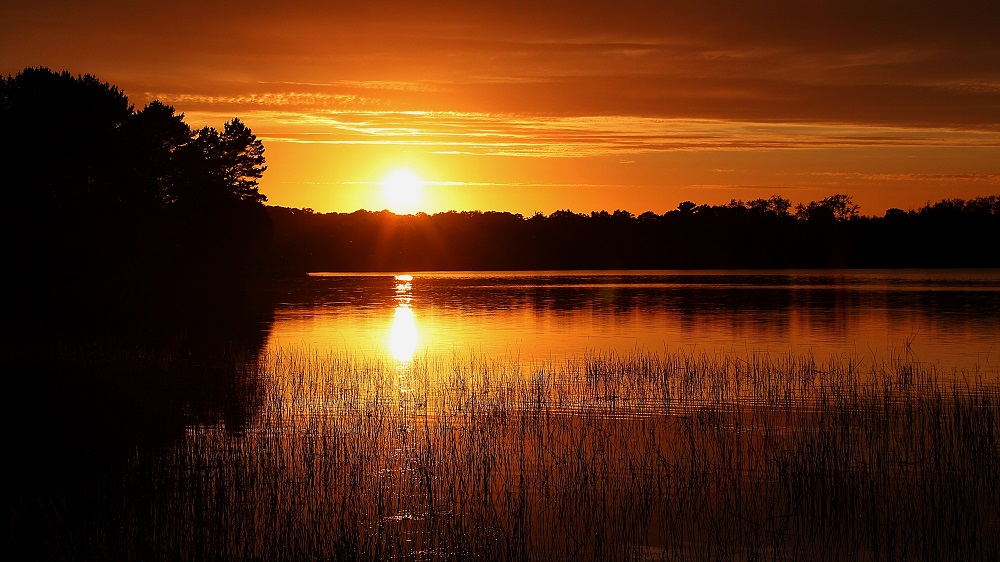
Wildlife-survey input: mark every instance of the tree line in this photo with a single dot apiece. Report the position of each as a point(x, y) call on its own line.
point(762, 233)
point(95, 187)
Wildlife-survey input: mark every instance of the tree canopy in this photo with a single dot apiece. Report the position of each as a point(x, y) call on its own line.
point(93, 185)
point(762, 233)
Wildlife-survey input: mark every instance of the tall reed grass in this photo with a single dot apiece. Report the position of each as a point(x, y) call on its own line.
point(641, 456)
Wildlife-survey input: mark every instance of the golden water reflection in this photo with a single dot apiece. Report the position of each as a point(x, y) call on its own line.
point(945, 318)
point(403, 336)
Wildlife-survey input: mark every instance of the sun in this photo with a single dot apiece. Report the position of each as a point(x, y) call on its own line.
point(402, 191)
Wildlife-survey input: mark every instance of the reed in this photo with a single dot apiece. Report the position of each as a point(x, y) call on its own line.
point(641, 456)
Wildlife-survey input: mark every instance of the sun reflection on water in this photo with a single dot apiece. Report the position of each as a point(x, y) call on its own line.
point(403, 337)
point(403, 334)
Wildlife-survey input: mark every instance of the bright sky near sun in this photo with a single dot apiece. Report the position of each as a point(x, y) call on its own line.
point(539, 106)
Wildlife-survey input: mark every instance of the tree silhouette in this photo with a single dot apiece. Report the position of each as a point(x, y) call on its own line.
point(99, 187)
point(155, 136)
point(686, 207)
point(838, 207)
point(221, 169)
point(775, 205)
point(761, 233)
point(243, 160)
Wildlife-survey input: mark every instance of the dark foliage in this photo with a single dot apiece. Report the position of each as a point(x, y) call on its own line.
point(830, 233)
point(98, 189)
point(128, 315)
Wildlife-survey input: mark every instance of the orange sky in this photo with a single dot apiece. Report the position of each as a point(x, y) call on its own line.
point(538, 106)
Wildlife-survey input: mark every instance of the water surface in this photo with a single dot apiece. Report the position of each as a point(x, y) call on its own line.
point(949, 318)
point(193, 447)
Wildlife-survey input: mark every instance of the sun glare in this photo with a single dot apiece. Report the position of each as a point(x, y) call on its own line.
point(402, 191)
point(403, 334)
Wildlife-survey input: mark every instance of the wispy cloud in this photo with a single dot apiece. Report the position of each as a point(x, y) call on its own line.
point(878, 63)
point(565, 137)
point(306, 100)
point(908, 177)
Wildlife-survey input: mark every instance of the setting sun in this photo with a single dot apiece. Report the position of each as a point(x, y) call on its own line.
point(561, 280)
point(402, 191)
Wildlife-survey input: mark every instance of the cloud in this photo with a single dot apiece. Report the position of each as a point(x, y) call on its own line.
point(907, 177)
point(558, 136)
point(917, 63)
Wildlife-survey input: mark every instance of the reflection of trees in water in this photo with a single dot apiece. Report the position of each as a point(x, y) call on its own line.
point(176, 344)
point(100, 376)
point(795, 308)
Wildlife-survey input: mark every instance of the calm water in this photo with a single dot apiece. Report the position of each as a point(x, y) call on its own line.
point(947, 318)
point(211, 454)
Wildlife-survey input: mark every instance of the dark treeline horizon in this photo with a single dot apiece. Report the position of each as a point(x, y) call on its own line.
point(757, 234)
point(99, 190)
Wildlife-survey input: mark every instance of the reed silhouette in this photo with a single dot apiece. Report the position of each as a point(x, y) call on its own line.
point(643, 456)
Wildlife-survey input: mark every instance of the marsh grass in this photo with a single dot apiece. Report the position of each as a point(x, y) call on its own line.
point(641, 456)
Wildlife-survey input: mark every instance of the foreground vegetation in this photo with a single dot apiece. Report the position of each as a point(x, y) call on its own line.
point(672, 456)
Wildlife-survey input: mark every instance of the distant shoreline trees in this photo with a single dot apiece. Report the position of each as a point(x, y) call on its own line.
point(95, 188)
point(759, 234)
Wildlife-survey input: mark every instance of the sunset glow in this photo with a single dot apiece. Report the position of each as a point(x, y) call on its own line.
point(501, 280)
point(558, 105)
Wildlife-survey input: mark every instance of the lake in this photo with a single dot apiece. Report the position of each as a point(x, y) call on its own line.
point(945, 318)
point(647, 416)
